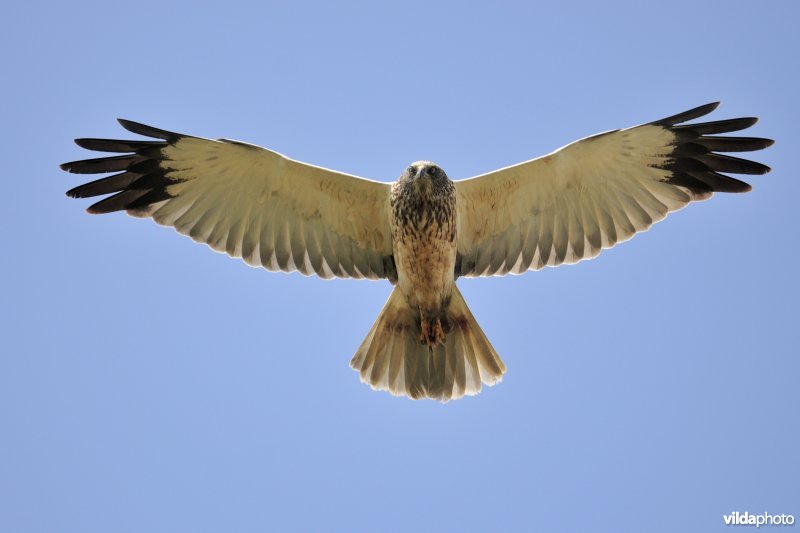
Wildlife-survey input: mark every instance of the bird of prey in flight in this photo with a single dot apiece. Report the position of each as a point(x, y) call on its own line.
point(423, 231)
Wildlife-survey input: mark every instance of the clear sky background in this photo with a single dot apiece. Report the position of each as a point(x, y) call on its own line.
point(149, 384)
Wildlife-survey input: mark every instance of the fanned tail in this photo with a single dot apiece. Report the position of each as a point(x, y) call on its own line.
point(392, 357)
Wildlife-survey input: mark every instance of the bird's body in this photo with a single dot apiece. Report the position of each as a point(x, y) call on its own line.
point(424, 231)
point(423, 203)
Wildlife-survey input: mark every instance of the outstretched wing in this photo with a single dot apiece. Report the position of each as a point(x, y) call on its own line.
point(246, 201)
point(596, 192)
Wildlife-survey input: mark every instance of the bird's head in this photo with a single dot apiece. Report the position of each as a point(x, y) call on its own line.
point(425, 174)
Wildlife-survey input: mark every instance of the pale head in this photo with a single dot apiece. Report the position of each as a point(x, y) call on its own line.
point(424, 170)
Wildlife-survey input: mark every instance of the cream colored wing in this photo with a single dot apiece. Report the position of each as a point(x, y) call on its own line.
point(595, 193)
point(246, 201)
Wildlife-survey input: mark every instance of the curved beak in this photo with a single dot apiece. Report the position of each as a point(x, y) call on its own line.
point(422, 182)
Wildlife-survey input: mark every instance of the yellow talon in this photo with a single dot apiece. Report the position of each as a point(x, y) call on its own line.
point(431, 334)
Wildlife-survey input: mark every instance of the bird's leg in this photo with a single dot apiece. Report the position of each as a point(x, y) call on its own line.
point(438, 332)
point(425, 329)
point(431, 330)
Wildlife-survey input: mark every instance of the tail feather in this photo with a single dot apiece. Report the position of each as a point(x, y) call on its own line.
point(393, 359)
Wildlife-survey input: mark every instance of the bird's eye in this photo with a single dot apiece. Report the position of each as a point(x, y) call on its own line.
point(433, 170)
point(410, 170)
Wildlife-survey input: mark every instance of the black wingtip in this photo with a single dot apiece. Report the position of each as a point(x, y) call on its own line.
point(148, 131)
point(699, 162)
point(141, 182)
point(718, 126)
point(89, 144)
point(732, 144)
point(691, 114)
point(76, 193)
point(707, 108)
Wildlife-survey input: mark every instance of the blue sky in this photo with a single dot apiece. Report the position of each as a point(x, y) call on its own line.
point(148, 384)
